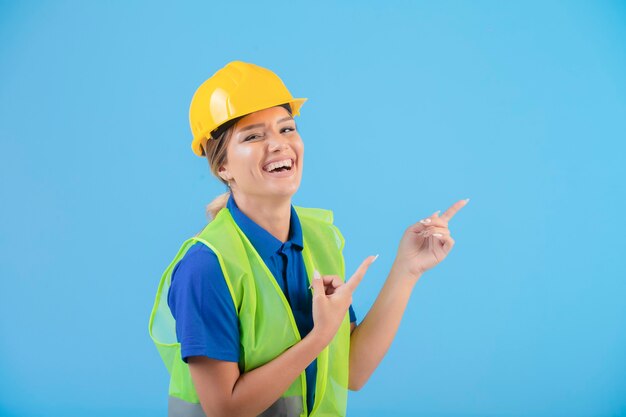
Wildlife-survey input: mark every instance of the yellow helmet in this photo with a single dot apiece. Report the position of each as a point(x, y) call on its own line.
point(237, 89)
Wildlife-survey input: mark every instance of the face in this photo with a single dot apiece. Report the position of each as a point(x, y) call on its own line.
point(258, 140)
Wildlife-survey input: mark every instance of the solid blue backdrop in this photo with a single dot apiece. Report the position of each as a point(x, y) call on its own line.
point(412, 106)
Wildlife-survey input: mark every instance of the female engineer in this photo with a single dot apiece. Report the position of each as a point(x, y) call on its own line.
point(253, 316)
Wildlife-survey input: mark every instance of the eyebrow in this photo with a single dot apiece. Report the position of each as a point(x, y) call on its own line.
point(284, 119)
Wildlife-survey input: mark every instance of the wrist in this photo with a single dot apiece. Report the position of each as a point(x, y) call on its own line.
point(399, 270)
point(319, 338)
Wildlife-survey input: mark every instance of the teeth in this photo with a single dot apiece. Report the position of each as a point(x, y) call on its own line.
point(278, 164)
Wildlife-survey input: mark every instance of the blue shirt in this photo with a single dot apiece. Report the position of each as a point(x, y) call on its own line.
point(206, 319)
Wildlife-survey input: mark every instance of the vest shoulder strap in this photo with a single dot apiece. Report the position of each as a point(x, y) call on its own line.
point(312, 217)
point(315, 213)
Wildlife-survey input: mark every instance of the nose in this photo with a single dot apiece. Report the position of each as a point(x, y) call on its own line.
point(277, 141)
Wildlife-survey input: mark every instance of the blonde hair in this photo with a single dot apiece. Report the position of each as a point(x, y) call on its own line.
point(215, 152)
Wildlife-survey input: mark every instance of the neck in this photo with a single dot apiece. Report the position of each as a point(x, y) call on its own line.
point(271, 214)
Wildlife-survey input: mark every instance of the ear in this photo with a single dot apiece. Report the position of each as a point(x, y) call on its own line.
point(224, 173)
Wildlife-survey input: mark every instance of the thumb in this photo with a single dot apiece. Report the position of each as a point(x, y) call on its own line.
point(318, 284)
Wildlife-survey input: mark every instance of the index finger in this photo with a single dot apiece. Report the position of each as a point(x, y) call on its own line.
point(357, 277)
point(453, 209)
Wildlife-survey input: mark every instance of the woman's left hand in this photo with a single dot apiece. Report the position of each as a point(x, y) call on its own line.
point(427, 242)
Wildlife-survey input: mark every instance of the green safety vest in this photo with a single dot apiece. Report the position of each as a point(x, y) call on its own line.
point(267, 324)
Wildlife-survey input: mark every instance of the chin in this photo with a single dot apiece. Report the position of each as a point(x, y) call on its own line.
point(287, 191)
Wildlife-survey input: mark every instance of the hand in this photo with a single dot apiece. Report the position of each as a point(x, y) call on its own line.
point(426, 243)
point(332, 299)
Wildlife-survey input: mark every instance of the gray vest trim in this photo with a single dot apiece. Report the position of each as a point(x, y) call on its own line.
point(283, 407)
point(181, 408)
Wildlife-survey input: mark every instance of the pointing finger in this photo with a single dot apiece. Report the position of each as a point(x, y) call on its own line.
point(454, 209)
point(357, 277)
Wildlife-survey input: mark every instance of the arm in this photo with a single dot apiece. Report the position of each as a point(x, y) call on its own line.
point(371, 339)
point(207, 328)
point(223, 391)
point(423, 245)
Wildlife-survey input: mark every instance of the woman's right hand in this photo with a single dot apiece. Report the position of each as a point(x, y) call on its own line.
point(332, 299)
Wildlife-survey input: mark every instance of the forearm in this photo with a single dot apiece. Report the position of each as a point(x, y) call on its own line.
point(258, 389)
point(372, 337)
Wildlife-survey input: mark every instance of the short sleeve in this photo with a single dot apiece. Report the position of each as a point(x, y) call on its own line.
point(206, 319)
point(352, 315)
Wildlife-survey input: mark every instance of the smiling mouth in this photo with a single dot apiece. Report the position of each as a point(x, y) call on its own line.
point(280, 166)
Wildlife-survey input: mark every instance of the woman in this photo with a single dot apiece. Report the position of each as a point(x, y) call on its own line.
point(239, 331)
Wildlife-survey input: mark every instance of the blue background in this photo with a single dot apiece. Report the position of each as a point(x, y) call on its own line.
point(412, 106)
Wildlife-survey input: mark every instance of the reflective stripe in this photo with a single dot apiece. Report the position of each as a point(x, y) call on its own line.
point(283, 407)
point(181, 408)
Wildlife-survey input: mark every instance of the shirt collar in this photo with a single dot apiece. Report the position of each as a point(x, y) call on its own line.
point(263, 241)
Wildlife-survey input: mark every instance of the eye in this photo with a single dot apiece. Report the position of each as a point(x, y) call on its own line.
point(251, 137)
point(288, 129)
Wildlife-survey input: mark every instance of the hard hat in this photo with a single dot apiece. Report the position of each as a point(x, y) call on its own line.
point(238, 89)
